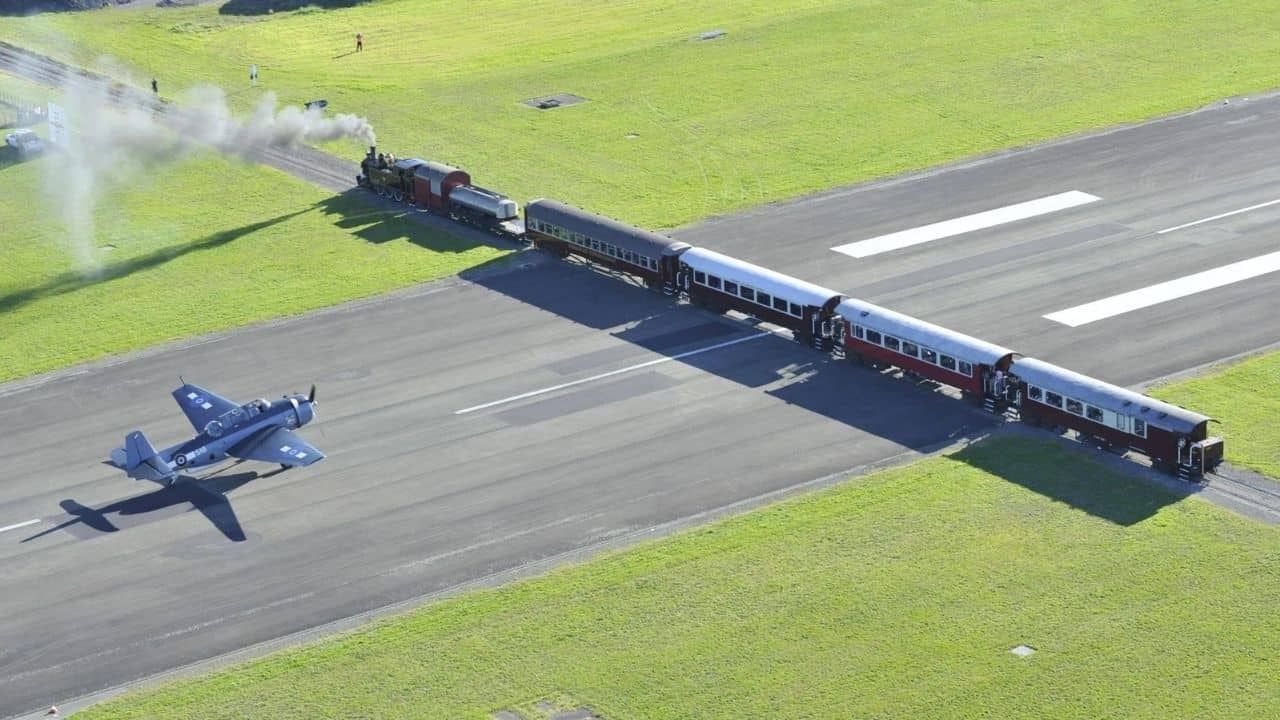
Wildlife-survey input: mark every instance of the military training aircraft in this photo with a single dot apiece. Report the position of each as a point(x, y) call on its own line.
point(257, 430)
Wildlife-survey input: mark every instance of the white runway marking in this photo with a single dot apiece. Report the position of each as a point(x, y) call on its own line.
point(1216, 217)
point(968, 223)
point(1165, 291)
point(7, 528)
point(611, 373)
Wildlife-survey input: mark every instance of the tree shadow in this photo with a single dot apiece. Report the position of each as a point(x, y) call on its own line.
point(1045, 467)
point(208, 496)
point(69, 282)
point(32, 7)
point(262, 7)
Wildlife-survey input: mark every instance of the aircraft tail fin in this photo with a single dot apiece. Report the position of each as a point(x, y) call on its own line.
point(142, 461)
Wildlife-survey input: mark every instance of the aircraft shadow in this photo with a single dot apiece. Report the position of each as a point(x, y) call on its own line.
point(909, 413)
point(208, 496)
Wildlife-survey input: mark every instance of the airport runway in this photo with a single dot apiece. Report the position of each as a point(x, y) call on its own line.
point(117, 580)
point(414, 497)
point(998, 283)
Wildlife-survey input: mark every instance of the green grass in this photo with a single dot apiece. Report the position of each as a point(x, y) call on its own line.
point(893, 596)
point(799, 96)
point(199, 246)
point(1245, 397)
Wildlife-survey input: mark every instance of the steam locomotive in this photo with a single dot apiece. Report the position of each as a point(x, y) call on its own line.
point(439, 188)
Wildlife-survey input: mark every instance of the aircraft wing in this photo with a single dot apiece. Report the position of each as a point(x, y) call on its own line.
point(200, 405)
point(277, 446)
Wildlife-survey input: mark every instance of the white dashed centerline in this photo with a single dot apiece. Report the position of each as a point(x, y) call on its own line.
point(611, 373)
point(1216, 217)
point(968, 223)
point(15, 526)
point(1166, 291)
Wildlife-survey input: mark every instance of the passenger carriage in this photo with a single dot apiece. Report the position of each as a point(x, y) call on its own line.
point(565, 229)
point(976, 367)
point(1173, 437)
point(726, 283)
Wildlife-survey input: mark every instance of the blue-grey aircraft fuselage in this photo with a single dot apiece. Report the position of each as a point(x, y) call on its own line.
point(258, 430)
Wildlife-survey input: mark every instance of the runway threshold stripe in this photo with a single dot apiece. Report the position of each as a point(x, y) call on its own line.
point(1166, 291)
point(1201, 221)
point(967, 223)
point(611, 373)
point(7, 528)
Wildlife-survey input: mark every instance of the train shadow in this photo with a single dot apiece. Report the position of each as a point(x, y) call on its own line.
point(918, 415)
point(208, 496)
point(792, 373)
point(1055, 471)
point(379, 220)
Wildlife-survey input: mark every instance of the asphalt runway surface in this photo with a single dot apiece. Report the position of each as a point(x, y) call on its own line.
point(121, 579)
point(587, 429)
point(997, 284)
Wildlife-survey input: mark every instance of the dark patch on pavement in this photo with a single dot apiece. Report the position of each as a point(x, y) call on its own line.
point(588, 396)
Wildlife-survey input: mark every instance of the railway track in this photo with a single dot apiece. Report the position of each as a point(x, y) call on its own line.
point(304, 162)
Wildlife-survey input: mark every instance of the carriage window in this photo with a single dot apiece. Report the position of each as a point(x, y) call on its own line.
point(713, 281)
point(764, 299)
point(731, 287)
point(595, 245)
point(873, 337)
point(966, 369)
point(1075, 406)
point(1093, 413)
point(1139, 427)
point(910, 349)
point(796, 310)
point(928, 355)
point(747, 293)
point(1052, 398)
point(628, 256)
point(857, 331)
point(1035, 393)
point(699, 277)
point(891, 342)
point(576, 238)
point(779, 304)
point(947, 362)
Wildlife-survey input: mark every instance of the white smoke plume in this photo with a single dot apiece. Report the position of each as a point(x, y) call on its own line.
point(116, 133)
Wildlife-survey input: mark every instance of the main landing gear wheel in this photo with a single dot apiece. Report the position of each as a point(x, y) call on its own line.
point(285, 467)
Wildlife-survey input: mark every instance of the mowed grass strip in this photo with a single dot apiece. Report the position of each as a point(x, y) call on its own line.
point(189, 248)
point(898, 595)
point(1245, 398)
point(797, 97)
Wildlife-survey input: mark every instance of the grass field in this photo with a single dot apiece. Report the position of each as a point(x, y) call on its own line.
point(198, 246)
point(1245, 397)
point(894, 596)
point(798, 96)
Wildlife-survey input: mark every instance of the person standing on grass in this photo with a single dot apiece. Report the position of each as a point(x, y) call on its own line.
point(155, 86)
point(359, 42)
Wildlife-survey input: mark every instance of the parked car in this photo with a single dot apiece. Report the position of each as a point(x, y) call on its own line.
point(25, 141)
